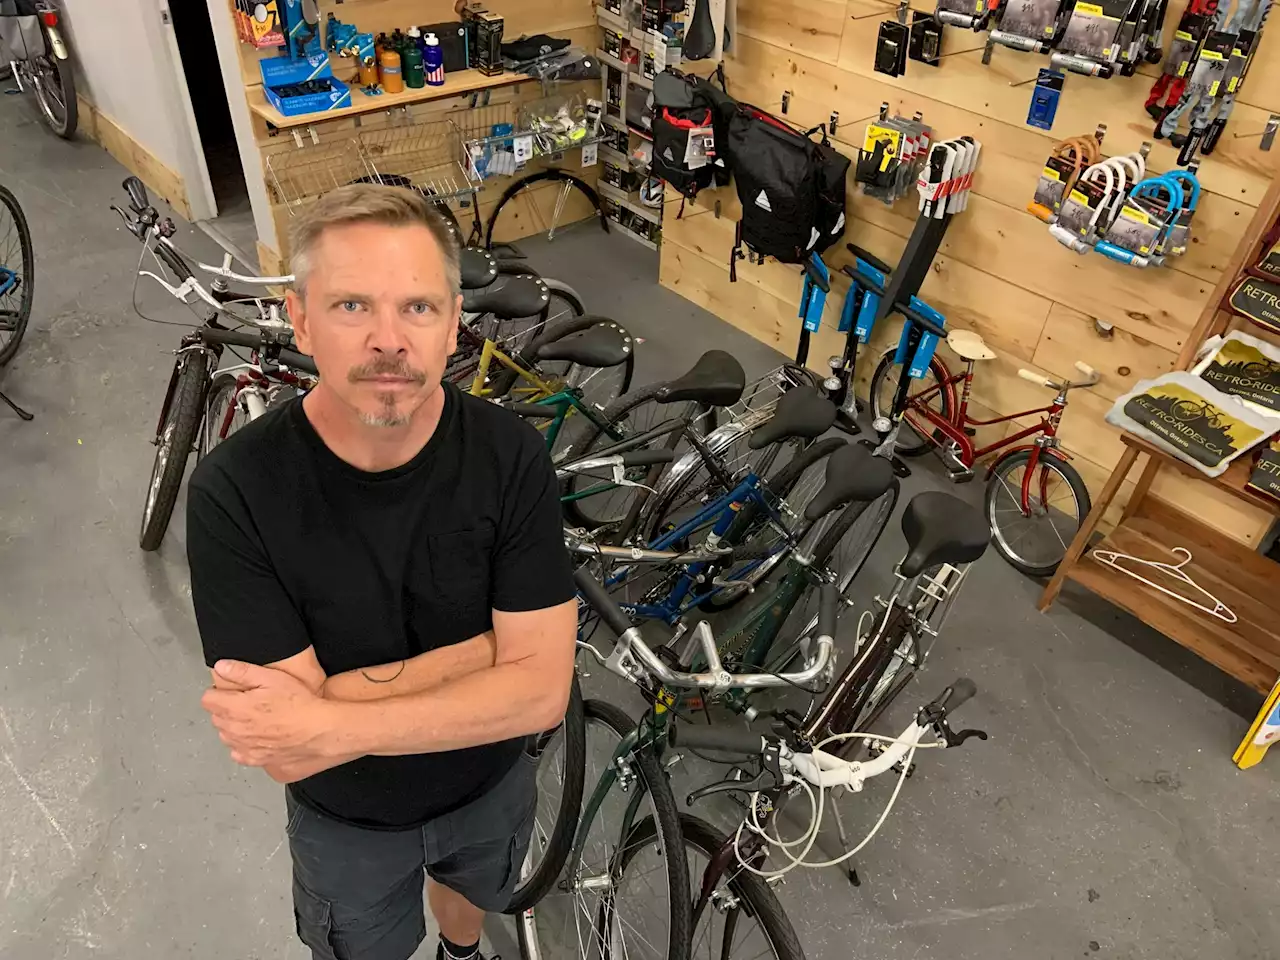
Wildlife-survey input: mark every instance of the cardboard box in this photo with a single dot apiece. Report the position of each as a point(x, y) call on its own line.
point(489, 44)
point(280, 72)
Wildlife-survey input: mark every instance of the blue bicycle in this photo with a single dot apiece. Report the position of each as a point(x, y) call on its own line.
point(17, 287)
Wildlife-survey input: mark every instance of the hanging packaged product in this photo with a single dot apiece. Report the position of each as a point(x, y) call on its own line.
point(1175, 244)
point(893, 151)
point(1192, 420)
point(1044, 99)
point(1196, 21)
point(1029, 25)
point(893, 42)
point(1141, 225)
point(1060, 172)
point(968, 14)
point(1247, 25)
point(1243, 366)
point(1096, 198)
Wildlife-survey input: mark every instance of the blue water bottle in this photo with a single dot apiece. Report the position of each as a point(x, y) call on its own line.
point(434, 61)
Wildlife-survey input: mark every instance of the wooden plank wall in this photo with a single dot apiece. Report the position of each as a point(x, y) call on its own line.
point(999, 272)
point(574, 19)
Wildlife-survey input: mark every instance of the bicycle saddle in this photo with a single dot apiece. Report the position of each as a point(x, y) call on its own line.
point(518, 297)
point(717, 380)
point(605, 344)
point(853, 474)
point(800, 413)
point(479, 269)
point(941, 528)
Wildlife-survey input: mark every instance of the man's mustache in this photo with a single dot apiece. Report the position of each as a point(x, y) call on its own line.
point(386, 367)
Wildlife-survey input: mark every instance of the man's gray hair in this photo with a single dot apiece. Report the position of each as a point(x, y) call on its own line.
point(372, 203)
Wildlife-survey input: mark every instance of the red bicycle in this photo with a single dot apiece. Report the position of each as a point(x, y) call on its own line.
point(1035, 500)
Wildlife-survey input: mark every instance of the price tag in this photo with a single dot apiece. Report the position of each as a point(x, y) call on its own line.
point(659, 43)
point(589, 154)
point(523, 149)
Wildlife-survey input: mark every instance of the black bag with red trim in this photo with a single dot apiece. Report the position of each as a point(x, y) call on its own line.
point(791, 187)
point(682, 104)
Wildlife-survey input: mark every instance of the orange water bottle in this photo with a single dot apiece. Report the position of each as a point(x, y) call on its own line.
point(389, 69)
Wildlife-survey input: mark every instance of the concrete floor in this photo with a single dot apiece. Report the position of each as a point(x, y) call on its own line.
point(1103, 817)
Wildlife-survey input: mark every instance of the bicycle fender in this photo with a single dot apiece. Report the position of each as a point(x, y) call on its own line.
point(56, 43)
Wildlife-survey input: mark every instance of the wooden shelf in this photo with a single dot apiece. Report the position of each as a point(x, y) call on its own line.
point(455, 84)
point(629, 201)
point(1234, 480)
point(1249, 649)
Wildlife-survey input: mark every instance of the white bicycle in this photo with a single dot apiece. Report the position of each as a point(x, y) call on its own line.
point(203, 404)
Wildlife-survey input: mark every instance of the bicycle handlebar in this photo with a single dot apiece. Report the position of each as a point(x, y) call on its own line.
point(1091, 377)
point(259, 341)
point(730, 740)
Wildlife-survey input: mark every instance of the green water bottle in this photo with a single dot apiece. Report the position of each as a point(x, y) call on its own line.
point(414, 75)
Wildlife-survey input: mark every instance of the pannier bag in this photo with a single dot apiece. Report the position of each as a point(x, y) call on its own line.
point(684, 109)
point(21, 36)
point(791, 187)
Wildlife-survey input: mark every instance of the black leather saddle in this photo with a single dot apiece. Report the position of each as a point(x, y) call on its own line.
point(605, 344)
point(479, 269)
point(717, 380)
point(853, 474)
point(800, 413)
point(939, 529)
point(518, 297)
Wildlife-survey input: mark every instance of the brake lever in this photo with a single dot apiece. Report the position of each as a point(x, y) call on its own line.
point(769, 777)
point(953, 739)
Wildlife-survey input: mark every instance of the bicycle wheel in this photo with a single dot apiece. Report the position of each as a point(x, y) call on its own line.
point(742, 918)
point(56, 94)
point(559, 177)
point(177, 439)
point(629, 895)
point(561, 755)
point(787, 490)
point(628, 416)
point(914, 436)
point(17, 275)
point(1058, 500)
point(224, 415)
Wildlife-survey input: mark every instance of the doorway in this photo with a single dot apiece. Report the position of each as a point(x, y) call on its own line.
point(233, 228)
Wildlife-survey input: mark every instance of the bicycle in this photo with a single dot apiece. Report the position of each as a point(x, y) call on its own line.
point(944, 536)
point(200, 351)
point(40, 61)
point(17, 282)
point(1035, 500)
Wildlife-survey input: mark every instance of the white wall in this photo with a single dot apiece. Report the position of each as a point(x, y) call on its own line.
point(127, 70)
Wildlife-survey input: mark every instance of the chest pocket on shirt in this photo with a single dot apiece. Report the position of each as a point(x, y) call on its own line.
point(461, 579)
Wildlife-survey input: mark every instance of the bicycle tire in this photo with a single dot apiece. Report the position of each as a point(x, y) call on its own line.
point(223, 383)
point(543, 176)
point(531, 889)
point(761, 903)
point(177, 440)
point(66, 127)
point(910, 443)
point(1079, 491)
point(747, 524)
point(26, 290)
point(663, 825)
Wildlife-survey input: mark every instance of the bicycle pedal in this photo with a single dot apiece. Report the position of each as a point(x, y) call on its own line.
point(970, 431)
point(959, 475)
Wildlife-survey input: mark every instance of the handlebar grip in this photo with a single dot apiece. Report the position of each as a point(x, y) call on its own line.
point(958, 693)
point(869, 258)
point(299, 361)
point(729, 739)
point(646, 458)
point(1035, 378)
point(921, 320)
point(232, 338)
point(827, 604)
point(1087, 370)
point(597, 596)
point(137, 194)
point(531, 411)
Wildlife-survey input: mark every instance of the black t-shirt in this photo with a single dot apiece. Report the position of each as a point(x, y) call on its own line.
point(291, 547)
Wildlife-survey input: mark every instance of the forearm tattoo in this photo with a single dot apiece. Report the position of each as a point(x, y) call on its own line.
point(365, 674)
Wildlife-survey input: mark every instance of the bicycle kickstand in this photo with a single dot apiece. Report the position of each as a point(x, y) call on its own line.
point(844, 846)
point(23, 414)
point(884, 447)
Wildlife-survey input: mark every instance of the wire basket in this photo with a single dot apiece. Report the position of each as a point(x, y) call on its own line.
point(429, 156)
point(761, 396)
point(303, 174)
point(488, 134)
point(559, 123)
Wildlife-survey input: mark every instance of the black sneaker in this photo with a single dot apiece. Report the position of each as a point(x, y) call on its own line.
point(441, 955)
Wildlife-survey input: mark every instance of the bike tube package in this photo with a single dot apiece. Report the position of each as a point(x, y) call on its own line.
point(1192, 420)
point(894, 150)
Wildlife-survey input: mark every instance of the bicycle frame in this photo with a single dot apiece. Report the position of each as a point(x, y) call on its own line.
point(251, 375)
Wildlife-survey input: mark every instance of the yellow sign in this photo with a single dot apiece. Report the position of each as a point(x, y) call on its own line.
point(1263, 732)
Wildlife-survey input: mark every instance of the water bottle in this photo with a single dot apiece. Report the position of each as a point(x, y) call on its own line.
point(411, 61)
point(434, 61)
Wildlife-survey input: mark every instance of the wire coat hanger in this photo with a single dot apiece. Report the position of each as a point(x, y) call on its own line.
point(1174, 570)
